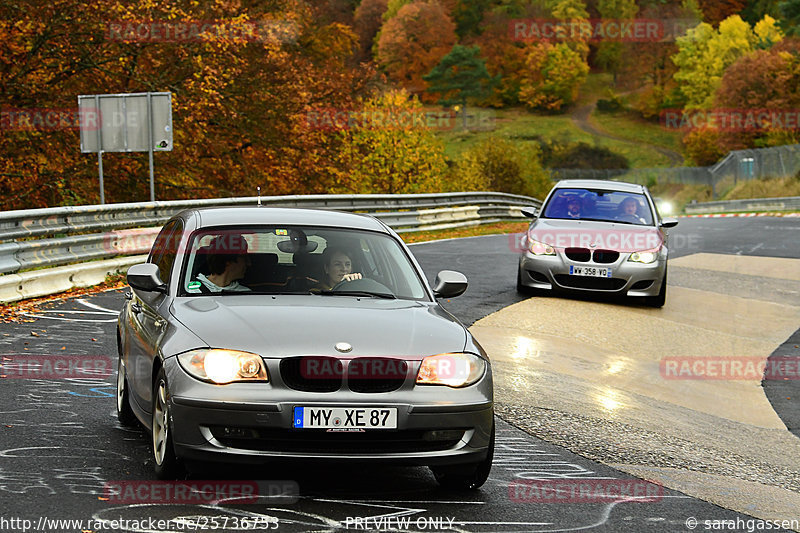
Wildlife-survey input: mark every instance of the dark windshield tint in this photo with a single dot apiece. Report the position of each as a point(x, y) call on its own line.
point(298, 260)
point(610, 206)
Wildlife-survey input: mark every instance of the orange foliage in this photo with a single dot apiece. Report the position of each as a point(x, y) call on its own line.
point(368, 20)
point(413, 42)
point(715, 11)
point(239, 104)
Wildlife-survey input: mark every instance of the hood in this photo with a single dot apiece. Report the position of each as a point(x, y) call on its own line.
point(592, 234)
point(285, 325)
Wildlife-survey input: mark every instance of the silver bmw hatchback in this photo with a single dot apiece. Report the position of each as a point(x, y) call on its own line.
point(261, 334)
point(596, 236)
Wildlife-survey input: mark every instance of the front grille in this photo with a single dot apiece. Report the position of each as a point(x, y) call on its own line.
point(376, 374)
point(581, 255)
point(605, 256)
point(585, 282)
point(324, 442)
point(312, 373)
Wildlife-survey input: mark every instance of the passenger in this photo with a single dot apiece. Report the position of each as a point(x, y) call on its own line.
point(226, 267)
point(338, 267)
point(629, 211)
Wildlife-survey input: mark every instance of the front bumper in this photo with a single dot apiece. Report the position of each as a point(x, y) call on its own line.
point(549, 272)
point(252, 423)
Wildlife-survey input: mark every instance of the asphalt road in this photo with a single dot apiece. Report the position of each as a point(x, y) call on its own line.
point(60, 443)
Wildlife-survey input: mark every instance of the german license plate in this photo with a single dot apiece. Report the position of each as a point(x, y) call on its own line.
point(593, 272)
point(345, 417)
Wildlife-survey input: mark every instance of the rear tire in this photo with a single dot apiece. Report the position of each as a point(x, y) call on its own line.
point(167, 464)
point(124, 412)
point(468, 476)
point(661, 298)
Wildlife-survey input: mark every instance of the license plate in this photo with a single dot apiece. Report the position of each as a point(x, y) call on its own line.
point(593, 272)
point(345, 417)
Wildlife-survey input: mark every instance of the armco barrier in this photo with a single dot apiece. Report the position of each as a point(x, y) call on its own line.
point(60, 236)
point(734, 206)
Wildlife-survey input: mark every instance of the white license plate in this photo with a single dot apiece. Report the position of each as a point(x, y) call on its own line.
point(345, 417)
point(593, 272)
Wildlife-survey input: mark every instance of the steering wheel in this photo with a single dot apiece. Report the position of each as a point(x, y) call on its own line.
point(363, 284)
point(626, 217)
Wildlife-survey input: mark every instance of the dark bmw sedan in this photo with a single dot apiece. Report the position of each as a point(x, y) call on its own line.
point(261, 334)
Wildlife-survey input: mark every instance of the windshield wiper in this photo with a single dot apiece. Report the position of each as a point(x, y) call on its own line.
point(358, 293)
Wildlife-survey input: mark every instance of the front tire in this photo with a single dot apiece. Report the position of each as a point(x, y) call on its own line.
point(660, 299)
point(124, 412)
point(167, 464)
point(466, 477)
point(522, 289)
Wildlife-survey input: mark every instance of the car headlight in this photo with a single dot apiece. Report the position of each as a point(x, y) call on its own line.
point(451, 369)
point(540, 248)
point(223, 366)
point(644, 257)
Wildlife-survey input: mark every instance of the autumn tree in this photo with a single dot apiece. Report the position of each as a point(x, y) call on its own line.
point(412, 43)
point(575, 12)
point(767, 33)
point(704, 54)
point(239, 99)
point(367, 21)
point(468, 15)
point(459, 76)
point(609, 53)
point(389, 149)
point(497, 164)
point(505, 57)
point(552, 77)
point(790, 17)
point(701, 145)
point(715, 11)
point(762, 81)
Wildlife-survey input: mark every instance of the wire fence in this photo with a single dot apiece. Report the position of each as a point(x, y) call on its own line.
point(738, 165)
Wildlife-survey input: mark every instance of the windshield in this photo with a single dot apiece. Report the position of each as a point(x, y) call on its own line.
point(298, 260)
point(606, 206)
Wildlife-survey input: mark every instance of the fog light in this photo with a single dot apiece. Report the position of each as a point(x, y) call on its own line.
point(443, 434)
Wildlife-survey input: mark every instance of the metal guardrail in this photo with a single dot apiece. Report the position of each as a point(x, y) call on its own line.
point(755, 204)
point(104, 231)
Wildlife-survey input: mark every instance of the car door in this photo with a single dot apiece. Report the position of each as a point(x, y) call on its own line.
point(148, 315)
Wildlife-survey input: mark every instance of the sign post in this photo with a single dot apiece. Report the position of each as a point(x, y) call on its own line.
point(137, 122)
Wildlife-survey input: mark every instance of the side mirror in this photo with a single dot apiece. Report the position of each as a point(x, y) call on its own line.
point(669, 222)
point(449, 284)
point(145, 277)
point(530, 212)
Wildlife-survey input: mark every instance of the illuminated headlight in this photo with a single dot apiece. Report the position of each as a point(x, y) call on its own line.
point(223, 366)
point(643, 257)
point(540, 248)
point(665, 208)
point(451, 369)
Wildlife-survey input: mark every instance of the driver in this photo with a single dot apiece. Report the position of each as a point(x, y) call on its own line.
point(338, 267)
point(629, 211)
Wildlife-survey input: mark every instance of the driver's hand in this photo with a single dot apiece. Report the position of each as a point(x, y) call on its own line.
point(352, 277)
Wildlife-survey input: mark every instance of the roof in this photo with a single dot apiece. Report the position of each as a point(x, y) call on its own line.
point(600, 184)
point(238, 216)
